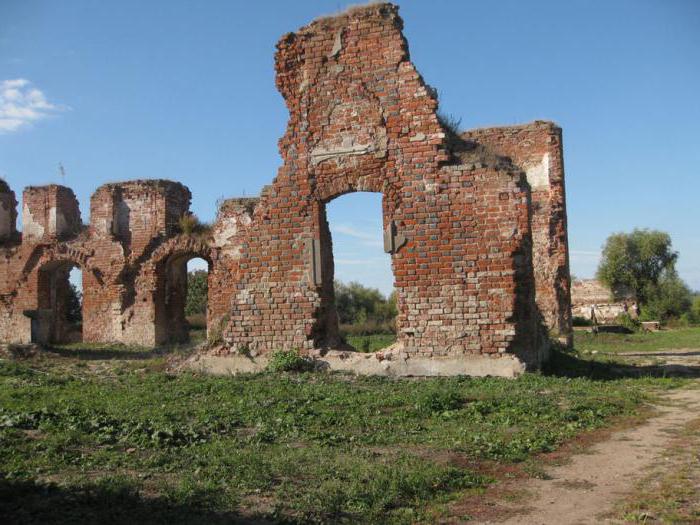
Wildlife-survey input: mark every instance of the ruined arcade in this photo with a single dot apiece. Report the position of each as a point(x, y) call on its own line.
point(475, 225)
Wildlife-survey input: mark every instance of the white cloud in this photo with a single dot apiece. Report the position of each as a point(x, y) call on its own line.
point(367, 238)
point(21, 104)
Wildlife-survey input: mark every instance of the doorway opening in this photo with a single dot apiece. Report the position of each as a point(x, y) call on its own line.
point(181, 306)
point(196, 313)
point(59, 315)
point(363, 280)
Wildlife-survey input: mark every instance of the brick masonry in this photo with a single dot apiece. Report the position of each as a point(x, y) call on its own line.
point(475, 224)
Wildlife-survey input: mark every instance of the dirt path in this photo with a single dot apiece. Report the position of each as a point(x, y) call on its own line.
point(590, 484)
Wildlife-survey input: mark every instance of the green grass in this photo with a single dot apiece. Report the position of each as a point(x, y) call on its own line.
point(638, 342)
point(370, 343)
point(87, 438)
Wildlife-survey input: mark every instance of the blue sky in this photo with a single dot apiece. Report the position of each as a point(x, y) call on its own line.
point(185, 90)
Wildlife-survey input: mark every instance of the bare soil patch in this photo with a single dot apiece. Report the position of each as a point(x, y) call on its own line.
point(587, 488)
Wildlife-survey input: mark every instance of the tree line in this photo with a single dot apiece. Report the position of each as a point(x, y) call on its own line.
point(643, 264)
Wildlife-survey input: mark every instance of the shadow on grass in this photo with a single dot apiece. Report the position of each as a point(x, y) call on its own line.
point(568, 364)
point(126, 353)
point(30, 502)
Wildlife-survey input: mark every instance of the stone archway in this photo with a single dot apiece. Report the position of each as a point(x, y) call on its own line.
point(53, 320)
point(45, 292)
point(169, 266)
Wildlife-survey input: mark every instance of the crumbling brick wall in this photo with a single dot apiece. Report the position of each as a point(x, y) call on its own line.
point(130, 221)
point(475, 225)
point(537, 149)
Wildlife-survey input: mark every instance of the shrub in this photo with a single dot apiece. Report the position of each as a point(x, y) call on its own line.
point(627, 321)
point(368, 328)
point(695, 309)
point(669, 299)
point(197, 321)
point(74, 305)
point(684, 321)
point(289, 361)
point(197, 292)
point(189, 224)
point(358, 304)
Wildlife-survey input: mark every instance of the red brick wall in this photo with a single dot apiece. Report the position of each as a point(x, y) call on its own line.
point(479, 255)
point(361, 119)
point(538, 150)
point(8, 213)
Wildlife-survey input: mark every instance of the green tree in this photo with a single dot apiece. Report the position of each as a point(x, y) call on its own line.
point(358, 304)
point(669, 299)
point(695, 308)
point(197, 289)
point(74, 304)
point(636, 262)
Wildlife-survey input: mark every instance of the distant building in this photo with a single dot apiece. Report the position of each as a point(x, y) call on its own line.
point(592, 300)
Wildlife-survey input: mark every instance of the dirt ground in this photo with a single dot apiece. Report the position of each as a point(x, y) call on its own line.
point(592, 486)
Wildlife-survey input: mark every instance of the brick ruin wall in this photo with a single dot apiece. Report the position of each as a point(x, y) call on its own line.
point(591, 299)
point(475, 225)
point(537, 149)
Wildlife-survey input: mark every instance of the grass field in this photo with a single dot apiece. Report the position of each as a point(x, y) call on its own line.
point(370, 343)
point(637, 342)
point(104, 434)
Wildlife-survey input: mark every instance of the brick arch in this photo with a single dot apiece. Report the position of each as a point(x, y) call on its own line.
point(61, 253)
point(49, 292)
point(349, 183)
point(165, 274)
point(182, 245)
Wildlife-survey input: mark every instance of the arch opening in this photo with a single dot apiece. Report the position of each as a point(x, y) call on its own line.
point(182, 299)
point(58, 318)
point(359, 275)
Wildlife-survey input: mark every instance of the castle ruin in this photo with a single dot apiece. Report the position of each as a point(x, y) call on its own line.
point(475, 224)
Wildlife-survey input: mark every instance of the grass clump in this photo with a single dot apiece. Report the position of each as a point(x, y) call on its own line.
point(215, 335)
point(289, 361)
point(189, 224)
point(627, 321)
point(370, 343)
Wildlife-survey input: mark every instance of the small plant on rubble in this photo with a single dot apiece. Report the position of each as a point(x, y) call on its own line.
point(216, 333)
point(451, 125)
point(190, 224)
point(289, 361)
